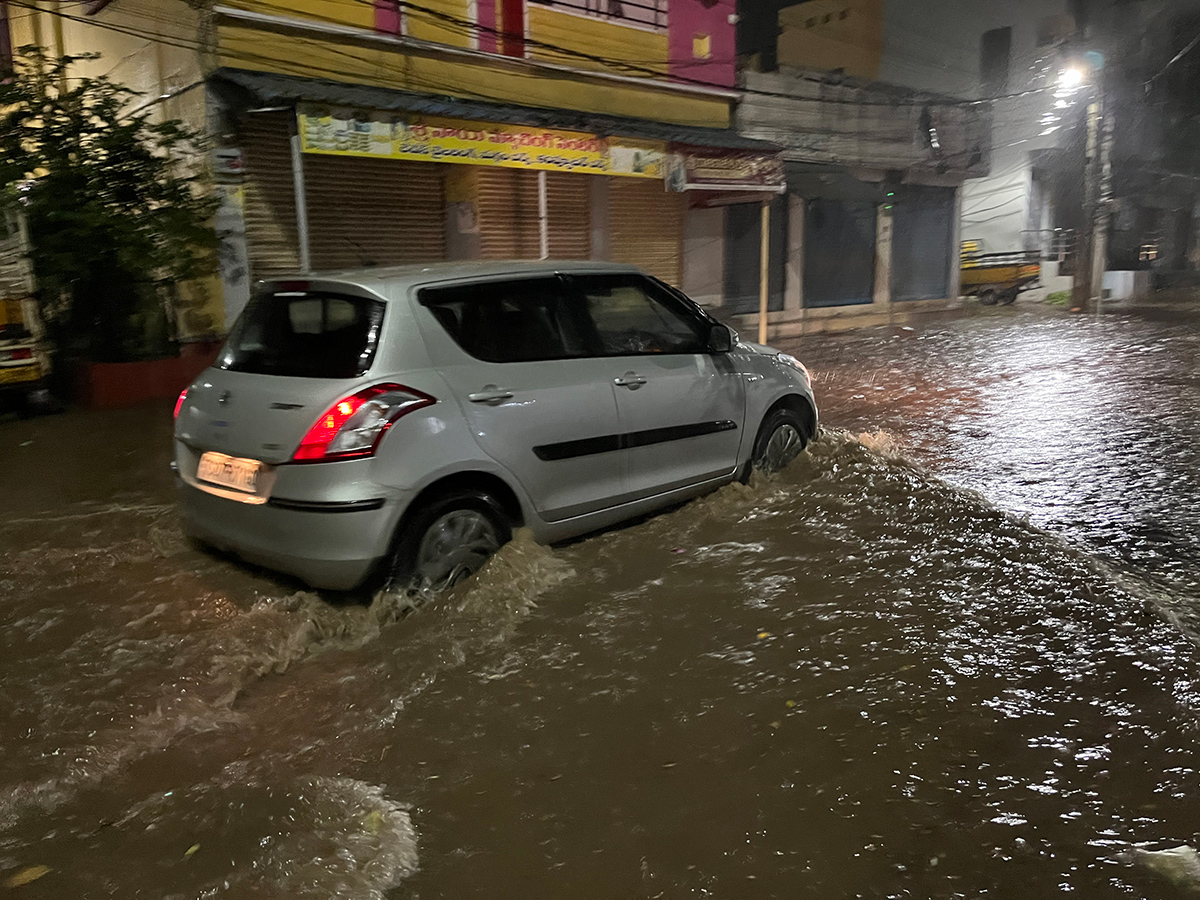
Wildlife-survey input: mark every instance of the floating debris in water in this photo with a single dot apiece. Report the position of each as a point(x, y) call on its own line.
point(1179, 865)
point(26, 876)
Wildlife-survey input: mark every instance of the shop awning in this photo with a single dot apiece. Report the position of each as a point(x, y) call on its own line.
point(248, 89)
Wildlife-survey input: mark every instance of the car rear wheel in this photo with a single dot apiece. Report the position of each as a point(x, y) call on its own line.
point(988, 297)
point(449, 540)
point(781, 438)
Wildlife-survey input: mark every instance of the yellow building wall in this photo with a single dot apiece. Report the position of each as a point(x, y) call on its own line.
point(481, 79)
point(425, 27)
point(361, 14)
point(640, 47)
point(833, 34)
point(354, 13)
point(151, 47)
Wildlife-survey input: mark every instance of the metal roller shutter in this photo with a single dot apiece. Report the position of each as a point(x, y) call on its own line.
point(743, 256)
point(646, 226)
point(374, 212)
point(839, 252)
point(922, 243)
point(569, 210)
point(510, 219)
point(509, 227)
point(270, 199)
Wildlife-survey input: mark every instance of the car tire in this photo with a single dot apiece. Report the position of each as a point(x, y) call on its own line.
point(1008, 296)
point(988, 297)
point(448, 540)
point(782, 437)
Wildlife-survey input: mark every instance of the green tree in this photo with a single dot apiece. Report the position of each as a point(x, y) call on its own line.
point(116, 204)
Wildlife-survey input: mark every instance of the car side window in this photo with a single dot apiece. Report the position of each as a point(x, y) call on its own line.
point(507, 321)
point(631, 315)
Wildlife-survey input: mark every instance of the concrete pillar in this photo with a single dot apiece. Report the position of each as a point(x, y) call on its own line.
point(301, 193)
point(793, 286)
point(956, 246)
point(462, 212)
point(883, 256)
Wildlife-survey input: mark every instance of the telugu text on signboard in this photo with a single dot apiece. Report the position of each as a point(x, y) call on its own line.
point(432, 139)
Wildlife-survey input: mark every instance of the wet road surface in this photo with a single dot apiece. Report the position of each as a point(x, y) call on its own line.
point(950, 652)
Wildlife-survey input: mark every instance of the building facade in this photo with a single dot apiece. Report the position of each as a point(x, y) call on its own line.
point(356, 133)
point(875, 172)
point(1012, 56)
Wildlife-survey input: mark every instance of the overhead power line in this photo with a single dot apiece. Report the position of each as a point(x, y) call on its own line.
point(464, 26)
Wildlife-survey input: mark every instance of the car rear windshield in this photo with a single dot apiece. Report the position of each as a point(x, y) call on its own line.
point(304, 334)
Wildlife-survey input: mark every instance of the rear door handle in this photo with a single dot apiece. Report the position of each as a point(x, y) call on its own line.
point(631, 380)
point(490, 394)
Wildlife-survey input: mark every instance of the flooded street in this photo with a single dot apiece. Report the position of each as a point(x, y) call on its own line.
point(950, 652)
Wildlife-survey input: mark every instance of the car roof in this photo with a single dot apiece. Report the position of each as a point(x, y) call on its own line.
point(428, 273)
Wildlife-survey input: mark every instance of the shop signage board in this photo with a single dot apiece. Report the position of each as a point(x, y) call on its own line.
point(706, 169)
point(348, 132)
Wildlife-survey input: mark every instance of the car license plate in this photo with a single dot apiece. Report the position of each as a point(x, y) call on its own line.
point(230, 471)
point(17, 374)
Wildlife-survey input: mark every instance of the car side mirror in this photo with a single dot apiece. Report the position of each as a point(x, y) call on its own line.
point(720, 338)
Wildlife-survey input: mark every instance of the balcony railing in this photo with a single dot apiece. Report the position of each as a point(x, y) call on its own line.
point(646, 13)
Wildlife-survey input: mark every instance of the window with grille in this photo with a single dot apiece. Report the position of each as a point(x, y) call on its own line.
point(652, 13)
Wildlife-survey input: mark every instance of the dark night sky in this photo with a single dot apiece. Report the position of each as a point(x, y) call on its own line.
point(759, 18)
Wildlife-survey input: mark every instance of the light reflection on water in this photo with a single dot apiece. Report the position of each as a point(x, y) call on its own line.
point(945, 654)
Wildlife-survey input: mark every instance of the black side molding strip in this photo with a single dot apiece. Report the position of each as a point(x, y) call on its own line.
point(334, 506)
point(610, 442)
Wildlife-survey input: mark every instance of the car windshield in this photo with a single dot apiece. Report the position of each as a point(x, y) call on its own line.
point(304, 334)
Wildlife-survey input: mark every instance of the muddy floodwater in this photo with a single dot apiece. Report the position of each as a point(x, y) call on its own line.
point(949, 652)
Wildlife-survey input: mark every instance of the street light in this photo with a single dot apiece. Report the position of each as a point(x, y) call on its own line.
point(1070, 78)
point(1093, 261)
point(1087, 71)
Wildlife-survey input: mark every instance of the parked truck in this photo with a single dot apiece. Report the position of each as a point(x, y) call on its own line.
point(24, 359)
point(998, 277)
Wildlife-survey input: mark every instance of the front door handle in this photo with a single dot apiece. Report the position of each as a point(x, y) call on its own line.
point(631, 380)
point(490, 394)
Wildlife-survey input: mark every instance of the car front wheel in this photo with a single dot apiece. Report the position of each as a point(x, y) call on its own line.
point(782, 437)
point(449, 540)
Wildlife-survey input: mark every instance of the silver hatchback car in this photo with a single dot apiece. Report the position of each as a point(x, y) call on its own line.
point(399, 423)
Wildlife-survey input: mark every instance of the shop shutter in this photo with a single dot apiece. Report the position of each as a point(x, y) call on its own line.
point(646, 226)
point(374, 212)
point(569, 209)
point(743, 256)
point(272, 244)
point(509, 215)
point(839, 252)
point(509, 227)
point(922, 243)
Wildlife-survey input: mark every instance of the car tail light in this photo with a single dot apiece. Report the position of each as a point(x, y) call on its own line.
point(354, 426)
point(179, 402)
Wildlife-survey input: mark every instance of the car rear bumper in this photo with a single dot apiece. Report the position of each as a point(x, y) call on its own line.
point(331, 546)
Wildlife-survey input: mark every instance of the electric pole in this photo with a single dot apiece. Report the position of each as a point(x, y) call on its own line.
point(1092, 257)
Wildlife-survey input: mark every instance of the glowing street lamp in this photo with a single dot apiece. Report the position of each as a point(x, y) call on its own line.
point(1070, 78)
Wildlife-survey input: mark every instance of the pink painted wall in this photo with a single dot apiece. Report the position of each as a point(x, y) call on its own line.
point(485, 15)
point(387, 16)
point(688, 18)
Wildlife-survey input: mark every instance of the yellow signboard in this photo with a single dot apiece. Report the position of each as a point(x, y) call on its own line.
point(344, 132)
point(10, 312)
